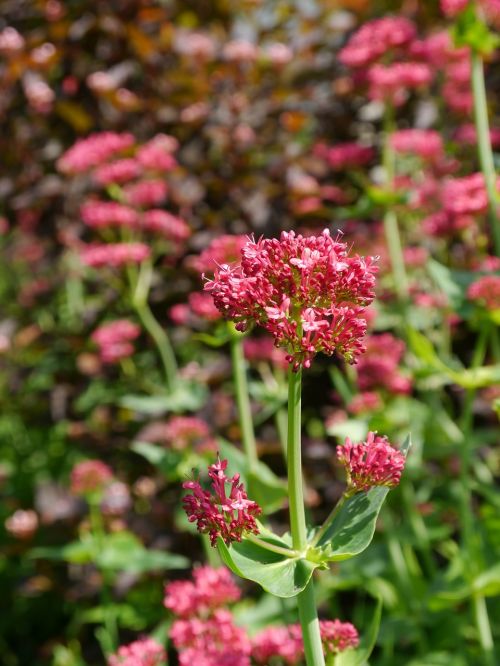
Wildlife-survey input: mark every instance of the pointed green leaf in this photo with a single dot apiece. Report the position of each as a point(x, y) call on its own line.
point(275, 573)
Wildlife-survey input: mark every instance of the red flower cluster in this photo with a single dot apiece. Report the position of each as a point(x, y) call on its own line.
point(143, 652)
point(214, 641)
point(371, 463)
point(286, 643)
point(338, 636)
point(93, 151)
point(378, 367)
point(90, 476)
point(306, 291)
point(486, 292)
point(375, 38)
point(113, 255)
point(228, 516)
point(209, 590)
point(114, 339)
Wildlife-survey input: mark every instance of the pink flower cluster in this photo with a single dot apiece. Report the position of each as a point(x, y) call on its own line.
point(263, 350)
point(113, 255)
point(218, 514)
point(427, 144)
point(452, 8)
point(225, 249)
point(338, 636)
point(375, 38)
point(143, 652)
point(120, 171)
point(204, 631)
point(486, 292)
point(93, 151)
point(392, 82)
point(371, 463)
point(213, 641)
point(209, 590)
point(22, 524)
point(200, 308)
point(349, 155)
point(90, 476)
point(306, 291)
point(103, 214)
point(114, 339)
point(285, 643)
point(378, 367)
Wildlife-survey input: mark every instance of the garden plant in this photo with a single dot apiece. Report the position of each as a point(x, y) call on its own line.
point(249, 333)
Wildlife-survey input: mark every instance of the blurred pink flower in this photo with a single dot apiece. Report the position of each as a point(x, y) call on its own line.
point(427, 144)
point(93, 150)
point(119, 171)
point(214, 641)
point(90, 476)
point(337, 636)
point(210, 589)
point(114, 338)
point(146, 193)
point(375, 38)
point(113, 254)
point(143, 652)
point(22, 524)
point(283, 643)
point(486, 292)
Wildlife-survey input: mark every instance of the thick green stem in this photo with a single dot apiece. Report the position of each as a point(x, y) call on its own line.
point(306, 602)
point(161, 340)
point(484, 144)
point(242, 397)
point(391, 229)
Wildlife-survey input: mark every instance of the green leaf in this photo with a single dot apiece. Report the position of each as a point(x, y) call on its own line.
point(352, 528)
point(122, 551)
point(187, 397)
point(488, 583)
point(361, 654)
point(76, 552)
point(277, 574)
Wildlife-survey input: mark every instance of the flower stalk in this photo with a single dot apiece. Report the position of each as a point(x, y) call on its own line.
point(308, 615)
point(484, 144)
point(242, 396)
point(391, 229)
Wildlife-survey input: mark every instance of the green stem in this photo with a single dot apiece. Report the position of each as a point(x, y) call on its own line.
point(484, 628)
point(308, 615)
point(110, 623)
point(242, 396)
point(469, 539)
point(391, 229)
point(161, 340)
point(329, 520)
point(484, 144)
point(292, 554)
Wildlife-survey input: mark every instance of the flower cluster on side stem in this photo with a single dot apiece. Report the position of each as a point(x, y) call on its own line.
point(219, 513)
point(371, 463)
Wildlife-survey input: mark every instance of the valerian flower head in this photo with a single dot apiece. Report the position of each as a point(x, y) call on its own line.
point(337, 636)
point(143, 652)
point(371, 463)
point(225, 513)
point(306, 291)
